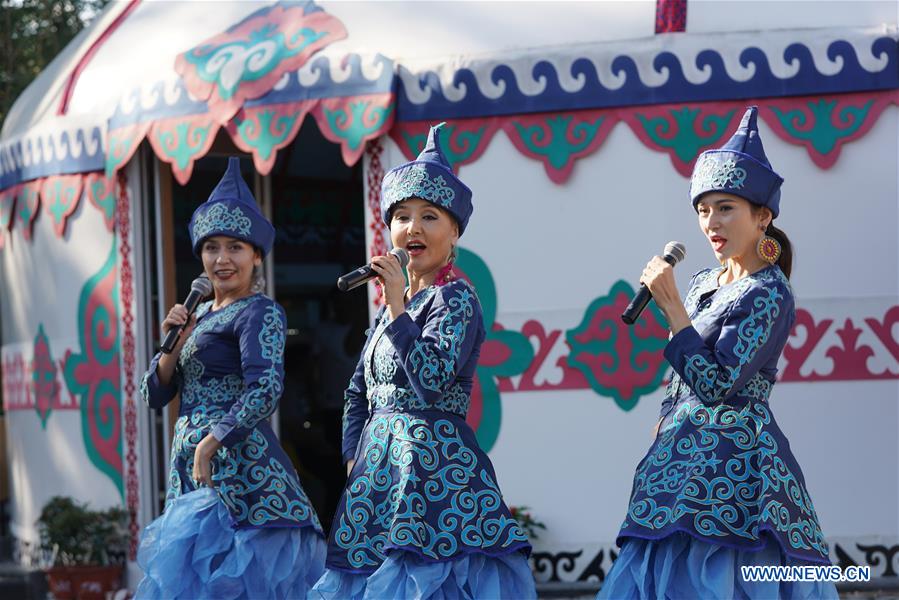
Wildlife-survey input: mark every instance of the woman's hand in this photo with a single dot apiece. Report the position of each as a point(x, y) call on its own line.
point(178, 316)
point(655, 430)
point(658, 276)
point(206, 449)
point(167, 362)
point(392, 278)
point(349, 466)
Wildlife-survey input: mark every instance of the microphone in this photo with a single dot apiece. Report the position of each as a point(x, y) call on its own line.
point(674, 253)
point(362, 275)
point(199, 289)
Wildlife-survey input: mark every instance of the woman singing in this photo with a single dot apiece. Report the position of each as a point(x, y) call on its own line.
point(422, 515)
point(237, 523)
point(719, 488)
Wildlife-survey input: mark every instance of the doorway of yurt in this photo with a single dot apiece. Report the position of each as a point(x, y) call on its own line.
point(316, 204)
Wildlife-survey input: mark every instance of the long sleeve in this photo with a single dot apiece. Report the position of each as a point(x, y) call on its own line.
point(154, 393)
point(668, 401)
point(754, 329)
point(261, 335)
point(432, 356)
point(355, 408)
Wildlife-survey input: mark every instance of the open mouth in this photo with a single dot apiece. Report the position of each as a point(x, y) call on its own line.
point(225, 274)
point(718, 242)
point(415, 248)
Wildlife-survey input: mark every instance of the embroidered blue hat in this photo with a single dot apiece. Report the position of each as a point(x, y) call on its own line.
point(739, 167)
point(429, 177)
point(231, 210)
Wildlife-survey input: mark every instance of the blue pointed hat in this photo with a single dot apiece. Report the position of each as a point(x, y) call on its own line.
point(429, 177)
point(231, 210)
point(739, 167)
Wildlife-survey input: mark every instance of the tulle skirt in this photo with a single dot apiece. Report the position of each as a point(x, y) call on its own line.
point(681, 566)
point(192, 551)
point(405, 575)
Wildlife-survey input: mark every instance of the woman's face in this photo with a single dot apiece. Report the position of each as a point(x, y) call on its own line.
point(229, 263)
point(731, 224)
point(427, 232)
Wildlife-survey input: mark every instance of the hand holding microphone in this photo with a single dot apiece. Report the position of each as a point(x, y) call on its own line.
point(656, 276)
point(180, 320)
point(366, 273)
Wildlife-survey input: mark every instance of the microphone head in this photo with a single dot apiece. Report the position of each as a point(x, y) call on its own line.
point(202, 285)
point(676, 250)
point(401, 255)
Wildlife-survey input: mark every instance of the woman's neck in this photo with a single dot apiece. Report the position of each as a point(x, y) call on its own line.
point(420, 281)
point(740, 267)
point(221, 300)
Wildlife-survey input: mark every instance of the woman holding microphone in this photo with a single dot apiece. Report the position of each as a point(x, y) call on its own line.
point(719, 488)
point(422, 515)
point(237, 523)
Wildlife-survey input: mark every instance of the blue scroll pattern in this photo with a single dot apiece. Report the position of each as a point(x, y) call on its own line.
point(412, 468)
point(721, 468)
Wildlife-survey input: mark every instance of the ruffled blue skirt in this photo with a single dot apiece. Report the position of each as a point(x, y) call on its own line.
point(681, 566)
point(192, 551)
point(405, 575)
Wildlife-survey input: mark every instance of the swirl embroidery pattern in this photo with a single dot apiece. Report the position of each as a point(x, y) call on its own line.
point(261, 400)
point(416, 182)
point(712, 382)
point(220, 219)
point(737, 495)
point(435, 368)
point(247, 470)
point(409, 465)
point(713, 173)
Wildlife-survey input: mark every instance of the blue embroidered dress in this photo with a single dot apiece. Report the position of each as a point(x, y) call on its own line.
point(719, 487)
point(422, 509)
point(256, 534)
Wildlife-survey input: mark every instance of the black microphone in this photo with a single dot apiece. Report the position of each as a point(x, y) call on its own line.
point(362, 275)
point(674, 253)
point(199, 289)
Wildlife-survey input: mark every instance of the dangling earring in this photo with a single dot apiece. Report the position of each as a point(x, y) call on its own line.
point(446, 274)
point(768, 249)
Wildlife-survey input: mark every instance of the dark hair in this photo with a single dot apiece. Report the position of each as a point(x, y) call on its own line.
point(785, 262)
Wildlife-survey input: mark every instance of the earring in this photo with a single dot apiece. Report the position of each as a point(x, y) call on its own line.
point(768, 249)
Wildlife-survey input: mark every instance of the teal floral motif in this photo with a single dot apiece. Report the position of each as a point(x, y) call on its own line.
point(184, 143)
point(552, 140)
point(467, 142)
point(684, 138)
point(416, 181)
point(267, 130)
point(823, 133)
point(220, 218)
point(717, 171)
point(624, 362)
point(364, 119)
point(230, 64)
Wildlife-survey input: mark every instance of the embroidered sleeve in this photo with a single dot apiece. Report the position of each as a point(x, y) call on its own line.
point(431, 356)
point(693, 290)
point(261, 332)
point(152, 391)
point(355, 408)
point(754, 329)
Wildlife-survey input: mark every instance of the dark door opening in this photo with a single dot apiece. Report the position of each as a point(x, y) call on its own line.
point(318, 213)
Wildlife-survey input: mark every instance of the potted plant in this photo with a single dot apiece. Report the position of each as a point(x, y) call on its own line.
point(526, 520)
point(84, 550)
